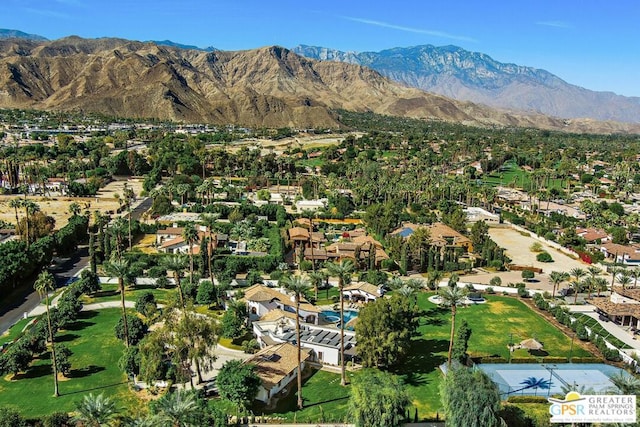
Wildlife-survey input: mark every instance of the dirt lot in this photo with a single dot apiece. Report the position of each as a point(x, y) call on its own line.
point(517, 246)
point(58, 206)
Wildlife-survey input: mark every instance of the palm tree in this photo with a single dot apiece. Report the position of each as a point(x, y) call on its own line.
point(119, 267)
point(43, 284)
point(624, 383)
point(316, 278)
point(577, 273)
point(190, 236)
point(635, 273)
point(74, 209)
point(593, 275)
point(557, 277)
point(176, 408)
point(298, 285)
point(600, 283)
point(30, 207)
point(342, 271)
point(433, 279)
point(451, 296)
point(176, 263)
point(624, 278)
point(15, 204)
point(95, 411)
point(210, 222)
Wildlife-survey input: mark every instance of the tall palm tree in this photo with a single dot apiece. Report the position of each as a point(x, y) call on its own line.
point(30, 207)
point(176, 263)
point(451, 296)
point(210, 221)
point(43, 284)
point(298, 285)
point(15, 204)
point(190, 236)
point(577, 273)
point(594, 272)
point(316, 278)
point(342, 271)
point(95, 411)
point(557, 277)
point(119, 267)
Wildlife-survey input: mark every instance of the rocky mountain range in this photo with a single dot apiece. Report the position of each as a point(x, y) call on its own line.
point(471, 76)
point(270, 86)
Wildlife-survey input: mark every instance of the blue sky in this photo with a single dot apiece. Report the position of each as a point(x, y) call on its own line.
point(591, 43)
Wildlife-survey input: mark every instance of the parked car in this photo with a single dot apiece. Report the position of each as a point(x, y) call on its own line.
point(211, 388)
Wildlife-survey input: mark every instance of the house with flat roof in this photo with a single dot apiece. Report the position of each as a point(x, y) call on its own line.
point(323, 340)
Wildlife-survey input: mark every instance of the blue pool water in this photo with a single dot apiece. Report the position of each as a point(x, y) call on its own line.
point(334, 316)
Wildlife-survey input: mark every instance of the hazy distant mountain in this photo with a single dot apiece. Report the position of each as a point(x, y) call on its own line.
point(11, 34)
point(182, 46)
point(270, 86)
point(476, 77)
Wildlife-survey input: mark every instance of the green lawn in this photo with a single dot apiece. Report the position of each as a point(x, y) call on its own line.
point(512, 174)
point(492, 325)
point(496, 323)
point(14, 332)
point(110, 292)
point(324, 400)
point(94, 369)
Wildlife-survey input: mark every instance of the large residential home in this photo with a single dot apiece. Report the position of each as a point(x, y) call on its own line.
point(170, 241)
point(362, 292)
point(277, 367)
point(323, 340)
point(359, 248)
point(441, 235)
point(622, 307)
point(593, 235)
point(621, 254)
point(169, 233)
point(262, 299)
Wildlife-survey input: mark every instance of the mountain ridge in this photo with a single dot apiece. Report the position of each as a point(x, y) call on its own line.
point(270, 86)
point(473, 76)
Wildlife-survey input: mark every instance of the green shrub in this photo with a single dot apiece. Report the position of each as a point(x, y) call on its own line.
point(586, 360)
point(497, 359)
point(554, 359)
point(524, 360)
point(527, 399)
point(544, 257)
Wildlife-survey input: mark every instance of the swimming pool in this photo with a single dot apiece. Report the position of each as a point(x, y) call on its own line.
point(334, 316)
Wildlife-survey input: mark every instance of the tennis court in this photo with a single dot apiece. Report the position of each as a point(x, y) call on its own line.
point(548, 379)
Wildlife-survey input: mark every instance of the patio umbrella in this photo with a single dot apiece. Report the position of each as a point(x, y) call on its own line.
point(531, 344)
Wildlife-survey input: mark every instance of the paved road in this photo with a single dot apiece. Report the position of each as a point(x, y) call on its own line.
point(26, 299)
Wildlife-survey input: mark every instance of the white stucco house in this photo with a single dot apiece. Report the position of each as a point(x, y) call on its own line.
point(277, 367)
point(261, 299)
point(279, 327)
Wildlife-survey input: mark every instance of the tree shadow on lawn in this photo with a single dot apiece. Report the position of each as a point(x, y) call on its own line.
point(67, 337)
point(101, 387)
point(36, 371)
point(86, 371)
point(78, 325)
point(101, 294)
point(422, 359)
